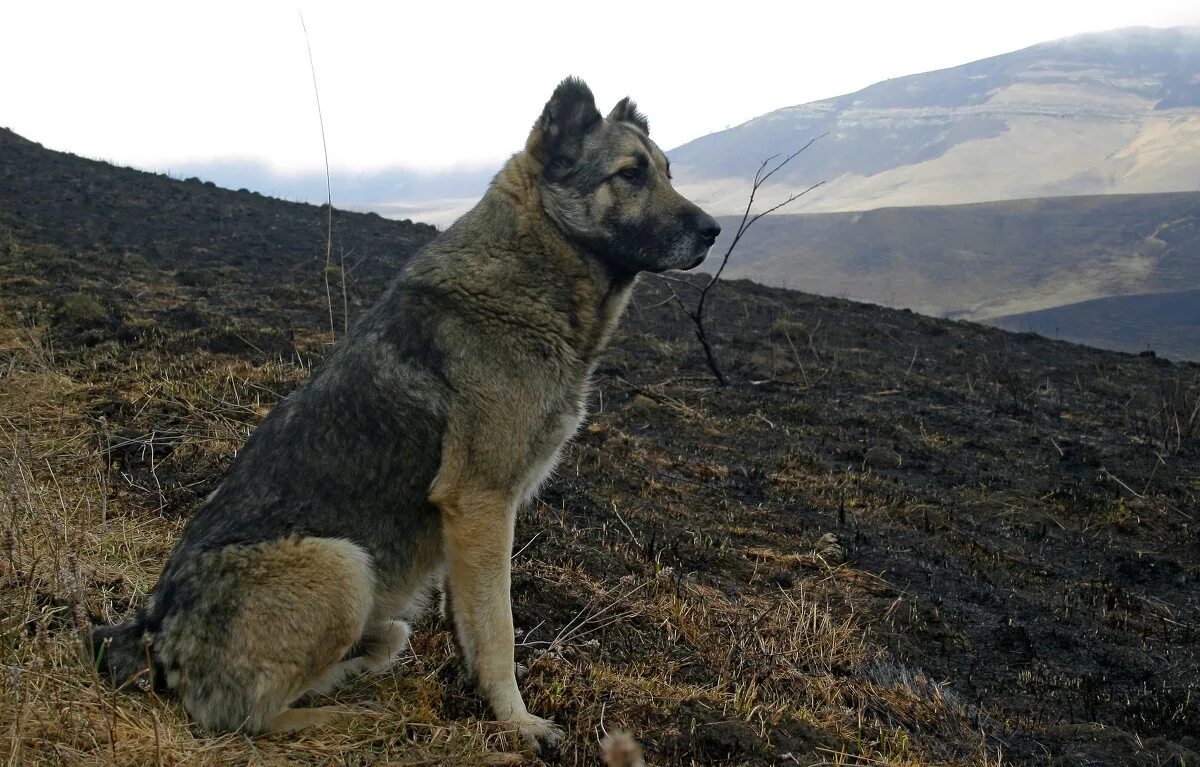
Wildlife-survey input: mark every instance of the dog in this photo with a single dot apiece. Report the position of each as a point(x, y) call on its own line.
point(399, 467)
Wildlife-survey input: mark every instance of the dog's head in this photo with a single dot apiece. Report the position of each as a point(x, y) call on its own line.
point(608, 186)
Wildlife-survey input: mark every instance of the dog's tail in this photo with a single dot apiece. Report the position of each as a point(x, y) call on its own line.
point(122, 653)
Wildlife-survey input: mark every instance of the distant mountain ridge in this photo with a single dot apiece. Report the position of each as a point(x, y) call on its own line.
point(1165, 323)
point(1113, 112)
point(434, 197)
point(1058, 175)
point(1107, 113)
point(992, 260)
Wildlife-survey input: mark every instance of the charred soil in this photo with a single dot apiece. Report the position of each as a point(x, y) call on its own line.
point(891, 540)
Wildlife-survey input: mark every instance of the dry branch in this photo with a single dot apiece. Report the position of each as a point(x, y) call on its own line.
point(761, 176)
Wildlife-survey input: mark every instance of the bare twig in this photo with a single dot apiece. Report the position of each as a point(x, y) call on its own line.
point(748, 220)
point(345, 297)
point(328, 188)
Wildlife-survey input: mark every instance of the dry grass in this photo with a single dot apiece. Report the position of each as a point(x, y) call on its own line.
point(84, 539)
point(88, 516)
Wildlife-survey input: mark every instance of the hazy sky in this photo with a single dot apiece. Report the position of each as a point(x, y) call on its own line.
point(442, 83)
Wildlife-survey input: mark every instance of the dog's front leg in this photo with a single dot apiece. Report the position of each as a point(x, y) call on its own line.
point(478, 532)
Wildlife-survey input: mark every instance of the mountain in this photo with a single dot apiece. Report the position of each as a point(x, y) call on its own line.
point(1082, 156)
point(893, 539)
point(1114, 112)
point(201, 234)
point(994, 259)
point(1166, 323)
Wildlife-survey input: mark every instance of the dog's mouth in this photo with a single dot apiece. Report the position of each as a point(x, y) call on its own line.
point(686, 254)
point(706, 246)
point(694, 259)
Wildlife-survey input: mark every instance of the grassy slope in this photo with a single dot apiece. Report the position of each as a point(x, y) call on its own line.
point(1015, 568)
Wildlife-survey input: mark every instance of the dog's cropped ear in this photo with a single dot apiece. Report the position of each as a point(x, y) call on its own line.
point(557, 135)
point(627, 112)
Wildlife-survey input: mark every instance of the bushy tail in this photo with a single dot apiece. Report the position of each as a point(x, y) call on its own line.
point(121, 652)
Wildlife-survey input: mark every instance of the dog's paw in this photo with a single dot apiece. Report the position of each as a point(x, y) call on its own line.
point(541, 735)
point(386, 648)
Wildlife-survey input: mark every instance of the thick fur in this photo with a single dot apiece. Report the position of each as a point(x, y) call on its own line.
point(402, 463)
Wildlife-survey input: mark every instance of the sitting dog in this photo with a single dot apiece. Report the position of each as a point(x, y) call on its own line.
point(399, 467)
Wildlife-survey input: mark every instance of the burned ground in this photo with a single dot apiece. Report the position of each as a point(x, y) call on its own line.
point(891, 540)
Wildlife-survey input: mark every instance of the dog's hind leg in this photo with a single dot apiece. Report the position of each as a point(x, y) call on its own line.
point(382, 645)
point(274, 621)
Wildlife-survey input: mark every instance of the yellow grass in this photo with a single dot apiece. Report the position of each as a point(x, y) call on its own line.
point(86, 525)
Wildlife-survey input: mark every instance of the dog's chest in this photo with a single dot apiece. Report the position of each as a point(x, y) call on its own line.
point(561, 428)
point(606, 315)
point(562, 424)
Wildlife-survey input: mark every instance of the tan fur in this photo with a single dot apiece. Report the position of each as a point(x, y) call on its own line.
point(302, 604)
point(482, 350)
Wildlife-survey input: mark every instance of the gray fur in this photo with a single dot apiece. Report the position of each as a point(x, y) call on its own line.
point(408, 453)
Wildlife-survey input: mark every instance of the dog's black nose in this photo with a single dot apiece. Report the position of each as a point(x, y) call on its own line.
point(709, 228)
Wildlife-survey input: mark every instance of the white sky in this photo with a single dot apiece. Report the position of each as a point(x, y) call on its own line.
point(443, 83)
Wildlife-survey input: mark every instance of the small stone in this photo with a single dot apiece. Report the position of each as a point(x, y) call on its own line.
point(829, 550)
point(643, 404)
point(880, 457)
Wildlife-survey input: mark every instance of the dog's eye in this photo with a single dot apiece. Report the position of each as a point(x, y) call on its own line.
point(562, 162)
point(632, 173)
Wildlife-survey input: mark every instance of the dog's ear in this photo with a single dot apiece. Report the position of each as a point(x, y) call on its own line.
point(568, 116)
point(627, 112)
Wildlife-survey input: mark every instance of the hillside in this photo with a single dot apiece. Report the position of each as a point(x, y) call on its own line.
point(1167, 323)
point(893, 540)
point(994, 259)
point(1109, 113)
point(85, 206)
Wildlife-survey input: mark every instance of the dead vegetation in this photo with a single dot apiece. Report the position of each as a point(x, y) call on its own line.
point(97, 471)
point(891, 540)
